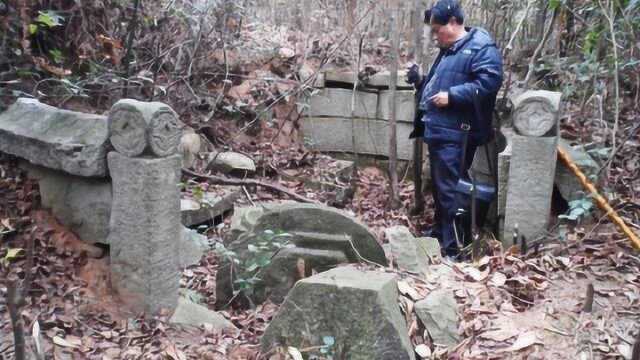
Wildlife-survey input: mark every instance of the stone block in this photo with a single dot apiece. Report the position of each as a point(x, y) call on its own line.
point(568, 184)
point(530, 186)
point(438, 312)
point(404, 248)
point(213, 204)
point(358, 309)
point(192, 314)
point(382, 79)
point(192, 246)
point(372, 136)
point(81, 204)
point(145, 230)
point(336, 102)
point(405, 105)
point(73, 142)
point(504, 160)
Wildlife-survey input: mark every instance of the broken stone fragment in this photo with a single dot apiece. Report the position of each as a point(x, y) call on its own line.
point(73, 142)
point(138, 127)
point(192, 247)
point(438, 313)
point(356, 310)
point(405, 250)
point(568, 184)
point(228, 162)
point(190, 313)
point(211, 205)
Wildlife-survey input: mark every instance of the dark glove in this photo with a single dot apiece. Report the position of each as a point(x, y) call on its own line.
point(413, 75)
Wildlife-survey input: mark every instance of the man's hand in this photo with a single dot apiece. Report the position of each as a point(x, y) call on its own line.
point(440, 99)
point(413, 74)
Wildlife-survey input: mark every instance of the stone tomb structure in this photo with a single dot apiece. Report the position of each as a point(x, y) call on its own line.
point(328, 121)
point(128, 199)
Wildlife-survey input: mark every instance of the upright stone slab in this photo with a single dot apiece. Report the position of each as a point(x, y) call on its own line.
point(69, 141)
point(531, 176)
point(358, 309)
point(405, 105)
point(406, 251)
point(145, 230)
point(335, 102)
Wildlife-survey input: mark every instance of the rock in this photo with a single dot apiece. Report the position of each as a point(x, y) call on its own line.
point(283, 272)
point(227, 162)
point(568, 184)
point(320, 235)
point(189, 147)
point(81, 204)
point(192, 247)
point(405, 105)
point(139, 127)
point(335, 102)
point(145, 230)
point(69, 141)
point(357, 309)
point(438, 313)
point(382, 79)
point(429, 247)
point(531, 176)
point(333, 134)
point(212, 205)
point(405, 250)
point(535, 113)
point(192, 314)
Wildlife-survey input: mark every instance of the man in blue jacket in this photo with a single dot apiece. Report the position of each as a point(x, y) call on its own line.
point(456, 102)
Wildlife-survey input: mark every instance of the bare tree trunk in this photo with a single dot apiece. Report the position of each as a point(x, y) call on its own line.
point(539, 49)
point(418, 51)
point(394, 198)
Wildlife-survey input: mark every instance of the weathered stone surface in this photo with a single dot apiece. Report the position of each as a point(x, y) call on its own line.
point(138, 127)
point(192, 247)
point(382, 79)
point(438, 313)
point(372, 136)
point(429, 247)
point(404, 248)
point(405, 105)
point(190, 313)
point(336, 102)
point(196, 212)
point(73, 142)
point(226, 162)
point(568, 184)
point(535, 113)
point(322, 237)
point(145, 230)
point(283, 272)
point(357, 308)
point(531, 176)
point(81, 204)
point(504, 161)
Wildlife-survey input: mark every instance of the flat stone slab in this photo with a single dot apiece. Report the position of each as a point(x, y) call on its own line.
point(333, 134)
point(192, 314)
point(357, 309)
point(438, 313)
point(381, 80)
point(212, 205)
point(405, 105)
point(568, 184)
point(69, 141)
point(336, 102)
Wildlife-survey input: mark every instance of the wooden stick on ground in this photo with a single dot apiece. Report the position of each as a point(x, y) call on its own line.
point(225, 181)
point(602, 203)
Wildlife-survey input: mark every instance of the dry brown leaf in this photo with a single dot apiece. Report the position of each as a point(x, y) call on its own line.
point(524, 341)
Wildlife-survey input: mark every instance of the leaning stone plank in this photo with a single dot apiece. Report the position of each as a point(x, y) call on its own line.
point(145, 230)
point(530, 186)
point(405, 105)
point(357, 309)
point(337, 102)
point(137, 127)
point(196, 212)
point(57, 139)
point(372, 136)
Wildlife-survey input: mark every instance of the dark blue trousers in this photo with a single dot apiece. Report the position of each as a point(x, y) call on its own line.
point(445, 159)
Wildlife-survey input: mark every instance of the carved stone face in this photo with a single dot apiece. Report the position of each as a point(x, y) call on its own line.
point(534, 118)
point(128, 131)
point(164, 133)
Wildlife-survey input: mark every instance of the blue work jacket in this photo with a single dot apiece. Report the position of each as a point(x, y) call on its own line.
point(471, 72)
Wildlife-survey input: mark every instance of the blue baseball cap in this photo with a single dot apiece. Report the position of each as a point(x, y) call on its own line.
point(442, 11)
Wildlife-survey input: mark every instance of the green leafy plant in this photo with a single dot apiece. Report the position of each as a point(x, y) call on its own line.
point(578, 209)
point(46, 20)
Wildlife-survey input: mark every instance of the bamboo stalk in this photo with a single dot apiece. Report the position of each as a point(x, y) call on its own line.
point(602, 203)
